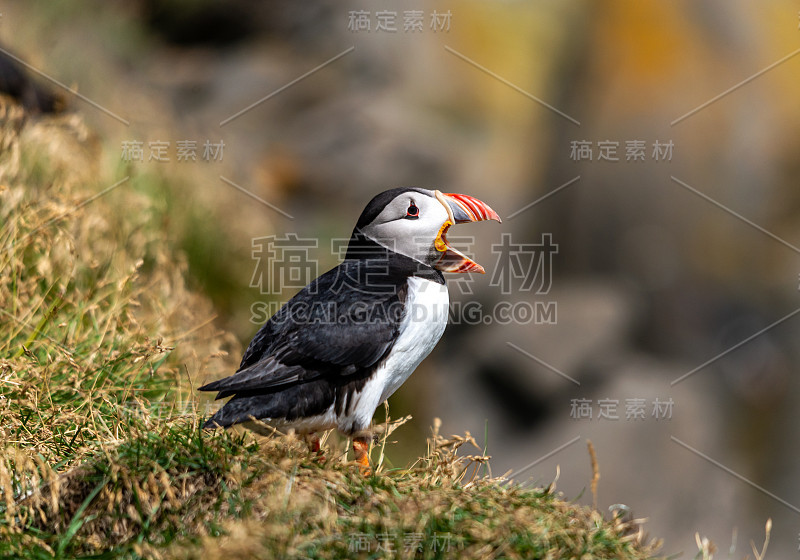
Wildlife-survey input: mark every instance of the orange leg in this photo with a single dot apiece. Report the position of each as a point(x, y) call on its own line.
point(314, 444)
point(361, 450)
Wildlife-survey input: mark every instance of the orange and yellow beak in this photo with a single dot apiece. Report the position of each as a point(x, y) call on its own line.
point(460, 208)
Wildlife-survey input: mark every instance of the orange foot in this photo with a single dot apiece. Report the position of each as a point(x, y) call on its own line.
point(361, 450)
point(314, 445)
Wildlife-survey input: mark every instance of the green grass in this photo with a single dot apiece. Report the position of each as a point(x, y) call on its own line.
point(101, 455)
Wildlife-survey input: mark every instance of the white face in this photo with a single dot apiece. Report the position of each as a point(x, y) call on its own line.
point(409, 225)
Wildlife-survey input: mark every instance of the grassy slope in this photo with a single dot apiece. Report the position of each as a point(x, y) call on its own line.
point(100, 451)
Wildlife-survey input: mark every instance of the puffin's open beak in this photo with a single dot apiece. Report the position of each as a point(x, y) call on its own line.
point(460, 209)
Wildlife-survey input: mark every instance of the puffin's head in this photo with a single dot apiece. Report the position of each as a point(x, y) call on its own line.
point(414, 222)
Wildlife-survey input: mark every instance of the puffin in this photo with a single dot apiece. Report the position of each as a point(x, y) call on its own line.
point(348, 340)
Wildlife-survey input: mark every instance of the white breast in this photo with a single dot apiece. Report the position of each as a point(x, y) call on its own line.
point(427, 307)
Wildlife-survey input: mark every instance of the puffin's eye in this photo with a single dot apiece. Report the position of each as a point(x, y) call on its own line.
point(413, 211)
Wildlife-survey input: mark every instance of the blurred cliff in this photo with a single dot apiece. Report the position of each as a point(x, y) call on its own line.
point(666, 261)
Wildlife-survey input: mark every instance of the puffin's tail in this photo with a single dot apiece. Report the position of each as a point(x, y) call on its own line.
point(214, 422)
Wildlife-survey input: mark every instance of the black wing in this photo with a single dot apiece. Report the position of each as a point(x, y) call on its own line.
point(343, 323)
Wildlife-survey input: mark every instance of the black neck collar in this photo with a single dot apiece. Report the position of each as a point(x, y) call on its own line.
point(363, 248)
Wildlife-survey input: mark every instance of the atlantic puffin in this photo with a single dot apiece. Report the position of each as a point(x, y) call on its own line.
point(342, 345)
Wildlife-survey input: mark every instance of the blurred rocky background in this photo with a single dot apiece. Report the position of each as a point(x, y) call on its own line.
point(616, 128)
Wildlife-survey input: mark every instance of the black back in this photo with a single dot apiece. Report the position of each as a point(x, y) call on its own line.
point(326, 341)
